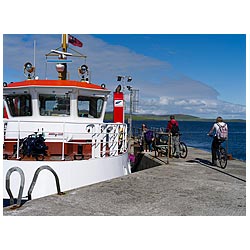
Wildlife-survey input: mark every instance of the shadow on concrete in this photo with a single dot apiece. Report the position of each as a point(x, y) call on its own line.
point(208, 164)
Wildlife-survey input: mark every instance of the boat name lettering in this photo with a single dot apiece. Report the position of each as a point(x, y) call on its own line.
point(55, 133)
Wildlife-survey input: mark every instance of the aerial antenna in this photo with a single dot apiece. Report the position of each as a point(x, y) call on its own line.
point(135, 100)
point(34, 60)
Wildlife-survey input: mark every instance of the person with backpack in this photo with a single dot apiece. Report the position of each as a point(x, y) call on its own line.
point(173, 128)
point(149, 137)
point(221, 134)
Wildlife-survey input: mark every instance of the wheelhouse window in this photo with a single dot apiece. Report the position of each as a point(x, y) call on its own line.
point(90, 106)
point(19, 105)
point(54, 105)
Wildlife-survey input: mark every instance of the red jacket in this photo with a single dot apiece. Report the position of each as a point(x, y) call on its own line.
point(170, 124)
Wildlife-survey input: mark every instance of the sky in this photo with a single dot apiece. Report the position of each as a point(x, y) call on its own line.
point(196, 74)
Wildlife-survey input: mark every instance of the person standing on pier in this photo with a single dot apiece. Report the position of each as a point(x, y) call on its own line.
point(142, 137)
point(221, 134)
point(173, 128)
point(149, 138)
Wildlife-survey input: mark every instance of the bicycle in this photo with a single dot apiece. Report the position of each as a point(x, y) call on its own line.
point(221, 154)
point(33, 145)
point(160, 144)
point(183, 149)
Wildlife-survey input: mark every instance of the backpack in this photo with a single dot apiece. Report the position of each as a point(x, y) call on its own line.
point(222, 133)
point(175, 129)
point(149, 136)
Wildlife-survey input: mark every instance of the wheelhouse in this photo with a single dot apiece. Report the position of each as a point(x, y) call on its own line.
point(36, 99)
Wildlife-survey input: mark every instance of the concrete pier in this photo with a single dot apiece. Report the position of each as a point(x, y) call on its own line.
point(186, 187)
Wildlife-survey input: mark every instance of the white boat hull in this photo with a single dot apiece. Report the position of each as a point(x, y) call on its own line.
point(71, 174)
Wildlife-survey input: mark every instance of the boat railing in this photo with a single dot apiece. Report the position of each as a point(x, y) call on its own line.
point(105, 139)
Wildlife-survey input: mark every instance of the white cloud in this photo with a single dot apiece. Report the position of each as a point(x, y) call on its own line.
point(197, 107)
point(162, 89)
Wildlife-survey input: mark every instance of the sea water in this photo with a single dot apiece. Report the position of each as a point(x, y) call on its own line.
point(194, 134)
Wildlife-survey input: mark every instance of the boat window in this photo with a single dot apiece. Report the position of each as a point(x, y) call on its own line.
point(19, 105)
point(54, 105)
point(90, 106)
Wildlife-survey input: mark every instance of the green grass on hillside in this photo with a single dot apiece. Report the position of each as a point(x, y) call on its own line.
point(179, 117)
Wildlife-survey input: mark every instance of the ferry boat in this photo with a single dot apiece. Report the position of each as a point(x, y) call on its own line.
point(55, 138)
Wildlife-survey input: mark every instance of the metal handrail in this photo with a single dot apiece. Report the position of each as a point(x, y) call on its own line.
point(19, 199)
point(97, 137)
point(36, 176)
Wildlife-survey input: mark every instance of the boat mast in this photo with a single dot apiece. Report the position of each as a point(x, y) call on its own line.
point(63, 75)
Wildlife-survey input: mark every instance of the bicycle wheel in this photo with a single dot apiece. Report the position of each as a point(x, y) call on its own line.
point(183, 150)
point(222, 157)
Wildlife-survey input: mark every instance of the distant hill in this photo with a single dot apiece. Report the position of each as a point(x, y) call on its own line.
point(179, 117)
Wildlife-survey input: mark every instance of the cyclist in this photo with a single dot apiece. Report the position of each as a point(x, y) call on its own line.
point(221, 133)
point(173, 127)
